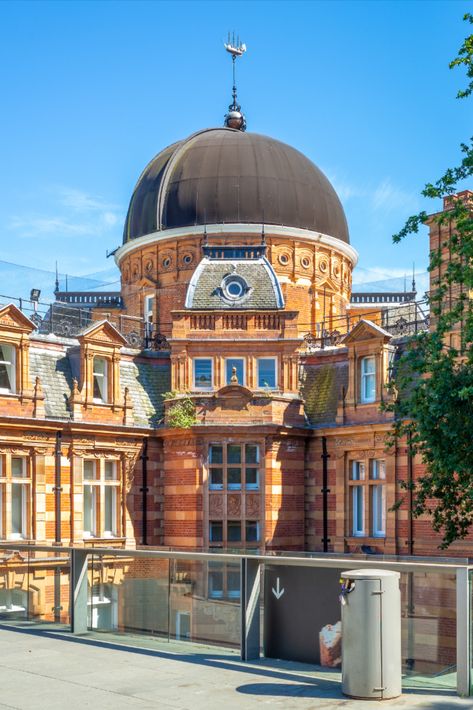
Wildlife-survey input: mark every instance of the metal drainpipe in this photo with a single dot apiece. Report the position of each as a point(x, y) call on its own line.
point(144, 490)
point(57, 513)
point(57, 486)
point(411, 494)
point(325, 491)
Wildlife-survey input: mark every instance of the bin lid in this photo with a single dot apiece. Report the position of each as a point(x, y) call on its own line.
point(369, 574)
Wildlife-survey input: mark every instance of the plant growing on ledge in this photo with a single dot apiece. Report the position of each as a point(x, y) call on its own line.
point(433, 380)
point(181, 414)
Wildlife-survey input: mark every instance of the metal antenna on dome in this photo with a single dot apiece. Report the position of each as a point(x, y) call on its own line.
point(234, 118)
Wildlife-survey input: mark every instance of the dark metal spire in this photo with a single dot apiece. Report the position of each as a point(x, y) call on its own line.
point(414, 290)
point(235, 118)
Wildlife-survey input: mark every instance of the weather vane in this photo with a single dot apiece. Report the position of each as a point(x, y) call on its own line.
point(234, 118)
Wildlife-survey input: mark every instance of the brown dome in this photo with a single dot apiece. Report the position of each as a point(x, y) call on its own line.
point(225, 176)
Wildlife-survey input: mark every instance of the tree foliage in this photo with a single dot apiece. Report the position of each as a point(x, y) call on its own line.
point(433, 380)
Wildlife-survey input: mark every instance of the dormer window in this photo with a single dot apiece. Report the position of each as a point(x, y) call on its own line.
point(7, 368)
point(100, 379)
point(368, 380)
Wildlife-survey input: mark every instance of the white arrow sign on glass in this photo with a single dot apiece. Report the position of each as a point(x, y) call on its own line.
point(277, 592)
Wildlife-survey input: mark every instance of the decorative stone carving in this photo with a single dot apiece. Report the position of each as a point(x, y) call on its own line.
point(216, 505)
point(234, 506)
point(252, 505)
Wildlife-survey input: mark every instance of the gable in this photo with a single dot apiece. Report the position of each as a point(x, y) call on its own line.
point(366, 330)
point(13, 320)
point(103, 333)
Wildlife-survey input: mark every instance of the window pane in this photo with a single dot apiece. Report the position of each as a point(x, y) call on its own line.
point(357, 511)
point(18, 467)
point(233, 453)
point(252, 453)
point(368, 379)
point(234, 531)
point(238, 364)
point(110, 470)
point(90, 469)
point(110, 510)
point(216, 454)
point(267, 372)
point(369, 388)
point(357, 472)
point(378, 469)
point(216, 531)
point(215, 582)
point(234, 477)
point(378, 510)
point(7, 368)
point(18, 511)
point(203, 373)
point(368, 365)
point(216, 478)
point(100, 366)
point(252, 531)
point(252, 478)
point(89, 510)
point(233, 583)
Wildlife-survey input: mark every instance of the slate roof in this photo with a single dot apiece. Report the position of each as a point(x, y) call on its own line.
point(321, 388)
point(147, 383)
point(205, 289)
point(54, 370)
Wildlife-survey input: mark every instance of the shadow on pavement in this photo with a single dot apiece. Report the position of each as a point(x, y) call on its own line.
point(297, 684)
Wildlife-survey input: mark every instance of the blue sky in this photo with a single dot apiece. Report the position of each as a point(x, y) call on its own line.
point(92, 90)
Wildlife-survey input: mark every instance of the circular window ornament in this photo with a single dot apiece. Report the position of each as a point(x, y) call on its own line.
point(234, 287)
point(323, 266)
point(187, 259)
point(305, 261)
point(149, 266)
point(284, 259)
point(336, 270)
point(167, 262)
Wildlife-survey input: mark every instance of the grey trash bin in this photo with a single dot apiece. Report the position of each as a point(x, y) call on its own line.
point(371, 634)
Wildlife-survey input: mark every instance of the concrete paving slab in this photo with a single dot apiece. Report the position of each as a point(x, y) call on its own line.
point(57, 671)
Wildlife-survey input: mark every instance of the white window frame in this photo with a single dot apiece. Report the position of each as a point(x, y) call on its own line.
point(276, 372)
point(99, 486)
point(104, 378)
point(378, 498)
point(148, 308)
point(200, 387)
point(358, 526)
point(24, 484)
point(93, 512)
point(227, 379)
point(11, 369)
point(365, 377)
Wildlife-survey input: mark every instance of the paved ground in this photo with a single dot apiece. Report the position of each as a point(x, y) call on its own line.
point(46, 669)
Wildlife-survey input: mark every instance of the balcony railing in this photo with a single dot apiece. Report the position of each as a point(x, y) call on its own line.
point(217, 598)
point(69, 318)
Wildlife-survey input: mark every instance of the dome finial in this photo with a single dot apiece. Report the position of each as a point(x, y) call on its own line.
point(235, 118)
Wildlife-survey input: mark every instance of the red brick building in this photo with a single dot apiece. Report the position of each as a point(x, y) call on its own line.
point(234, 312)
